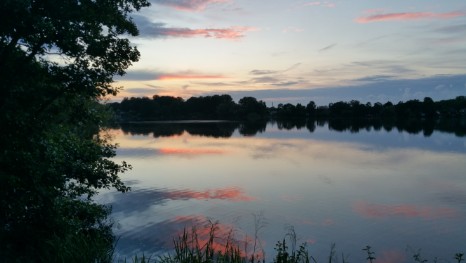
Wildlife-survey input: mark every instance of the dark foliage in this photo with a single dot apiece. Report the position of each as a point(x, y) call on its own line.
point(57, 59)
point(217, 107)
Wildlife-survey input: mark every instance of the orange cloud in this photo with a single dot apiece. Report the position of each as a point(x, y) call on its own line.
point(231, 194)
point(408, 16)
point(180, 151)
point(402, 210)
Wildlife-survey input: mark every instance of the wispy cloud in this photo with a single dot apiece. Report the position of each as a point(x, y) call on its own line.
point(148, 75)
point(235, 32)
point(327, 47)
point(150, 29)
point(376, 78)
point(188, 75)
point(265, 79)
point(291, 29)
point(452, 29)
point(319, 3)
point(188, 5)
point(144, 91)
point(267, 72)
point(138, 75)
point(213, 84)
point(286, 83)
point(408, 16)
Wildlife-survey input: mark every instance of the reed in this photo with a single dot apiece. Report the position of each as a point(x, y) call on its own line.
point(191, 247)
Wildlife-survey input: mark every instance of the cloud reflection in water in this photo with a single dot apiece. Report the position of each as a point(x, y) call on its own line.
point(402, 210)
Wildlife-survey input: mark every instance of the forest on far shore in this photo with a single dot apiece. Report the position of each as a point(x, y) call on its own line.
point(223, 107)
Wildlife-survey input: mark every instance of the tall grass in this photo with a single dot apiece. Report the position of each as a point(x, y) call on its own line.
point(191, 247)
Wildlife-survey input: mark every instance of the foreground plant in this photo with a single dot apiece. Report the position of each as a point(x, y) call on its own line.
point(192, 247)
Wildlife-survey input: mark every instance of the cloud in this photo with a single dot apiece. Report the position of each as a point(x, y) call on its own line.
point(286, 83)
point(235, 32)
point(147, 75)
point(188, 5)
point(324, 4)
point(213, 84)
point(408, 16)
point(188, 75)
point(265, 80)
point(376, 89)
point(376, 78)
point(452, 29)
point(138, 75)
point(144, 91)
point(391, 67)
point(263, 72)
point(148, 29)
point(267, 72)
point(327, 47)
point(292, 29)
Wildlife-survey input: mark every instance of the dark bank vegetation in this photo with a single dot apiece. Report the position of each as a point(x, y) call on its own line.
point(217, 107)
point(222, 107)
point(57, 60)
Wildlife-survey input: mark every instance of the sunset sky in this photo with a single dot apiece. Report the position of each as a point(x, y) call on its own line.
point(300, 50)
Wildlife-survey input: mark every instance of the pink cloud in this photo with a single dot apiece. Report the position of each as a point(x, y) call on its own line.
point(408, 16)
point(189, 5)
point(402, 210)
point(149, 29)
point(317, 3)
point(235, 32)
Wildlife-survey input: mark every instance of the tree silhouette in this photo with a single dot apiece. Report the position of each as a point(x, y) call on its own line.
point(57, 60)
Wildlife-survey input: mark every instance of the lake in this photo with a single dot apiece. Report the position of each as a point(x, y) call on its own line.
point(394, 190)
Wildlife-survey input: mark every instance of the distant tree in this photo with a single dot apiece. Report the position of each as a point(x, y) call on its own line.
point(311, 109)
point(251, 109)
point(340, 109)
point(428, 108)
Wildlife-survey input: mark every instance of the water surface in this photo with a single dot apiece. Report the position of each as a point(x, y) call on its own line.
point(393, 190)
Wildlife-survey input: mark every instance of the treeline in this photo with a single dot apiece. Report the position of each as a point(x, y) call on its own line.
point(222, 107)
point(217, 107)
point(409, 110)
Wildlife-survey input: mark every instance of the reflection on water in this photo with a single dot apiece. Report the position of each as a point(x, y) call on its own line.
point(226, 129)
point(354, 185)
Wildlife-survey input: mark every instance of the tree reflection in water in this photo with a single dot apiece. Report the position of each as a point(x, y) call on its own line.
point(225, 129)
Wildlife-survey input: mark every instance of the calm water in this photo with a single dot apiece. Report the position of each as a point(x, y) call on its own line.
point(393, 190)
